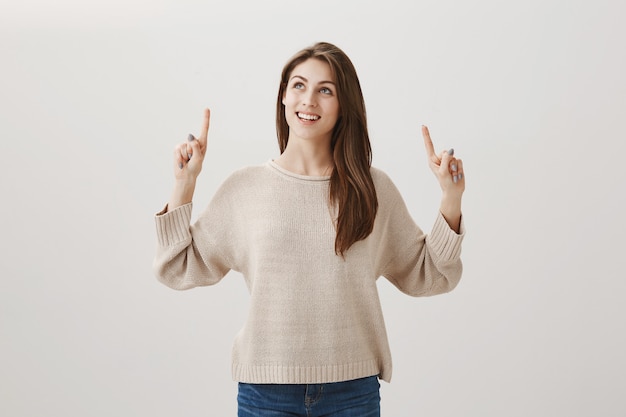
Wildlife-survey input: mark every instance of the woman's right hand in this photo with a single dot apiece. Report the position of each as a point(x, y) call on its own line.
point(188, 156)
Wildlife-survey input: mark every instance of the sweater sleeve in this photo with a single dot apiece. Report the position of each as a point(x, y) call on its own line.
point(419, 264)
point(189, 256)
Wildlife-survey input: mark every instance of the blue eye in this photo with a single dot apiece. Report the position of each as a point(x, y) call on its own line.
point(298, 86)
point(326, 90)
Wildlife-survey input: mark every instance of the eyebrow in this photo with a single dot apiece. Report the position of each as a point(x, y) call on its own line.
point(305, 80)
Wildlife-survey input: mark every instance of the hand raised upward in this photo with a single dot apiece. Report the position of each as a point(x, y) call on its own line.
point(451, 177)
point(447, 168)
point(188, 156)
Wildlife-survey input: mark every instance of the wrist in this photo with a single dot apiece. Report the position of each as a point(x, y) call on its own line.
point(184, 183)
point(451, 210)
point(182, 193)
point(451, 199)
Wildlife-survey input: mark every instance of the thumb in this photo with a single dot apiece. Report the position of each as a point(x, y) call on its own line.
point(194, 149)
point(446, 159)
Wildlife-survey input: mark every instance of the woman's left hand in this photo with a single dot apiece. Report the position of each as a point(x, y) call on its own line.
point(447, 168)
point(451, 177)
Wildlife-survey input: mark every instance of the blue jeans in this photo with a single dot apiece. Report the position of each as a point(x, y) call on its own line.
point(357, 398)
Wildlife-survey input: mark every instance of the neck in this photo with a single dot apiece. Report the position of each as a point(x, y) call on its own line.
point(306, 158)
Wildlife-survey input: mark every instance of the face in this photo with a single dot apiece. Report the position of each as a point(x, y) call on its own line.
point(311, 103)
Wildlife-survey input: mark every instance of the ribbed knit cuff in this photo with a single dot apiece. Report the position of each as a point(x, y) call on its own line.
point(173, 226)
point(445, 242)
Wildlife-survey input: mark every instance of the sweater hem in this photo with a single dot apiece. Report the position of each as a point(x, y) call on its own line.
point(315, 374)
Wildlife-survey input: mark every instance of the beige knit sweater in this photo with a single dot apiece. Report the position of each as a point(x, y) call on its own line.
point(314, 317)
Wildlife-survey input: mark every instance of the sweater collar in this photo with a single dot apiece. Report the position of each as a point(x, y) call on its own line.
point(306, 178)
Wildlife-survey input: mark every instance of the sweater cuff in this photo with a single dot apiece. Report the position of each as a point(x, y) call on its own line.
point(445, 242)
point(173, 226)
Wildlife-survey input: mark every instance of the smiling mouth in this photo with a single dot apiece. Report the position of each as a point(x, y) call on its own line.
point(308, 117)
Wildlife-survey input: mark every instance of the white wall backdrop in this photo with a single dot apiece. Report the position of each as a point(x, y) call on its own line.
point(94, 96)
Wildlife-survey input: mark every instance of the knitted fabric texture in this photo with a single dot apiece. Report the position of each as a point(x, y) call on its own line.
point(314, 316)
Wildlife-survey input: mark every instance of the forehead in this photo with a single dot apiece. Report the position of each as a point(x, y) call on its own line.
point(314, 70)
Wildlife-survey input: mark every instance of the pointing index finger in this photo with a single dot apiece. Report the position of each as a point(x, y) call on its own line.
point(204, 132)
point(430, 149)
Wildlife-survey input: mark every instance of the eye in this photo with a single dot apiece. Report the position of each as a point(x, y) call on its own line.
point(298, 86)
point(326, 90)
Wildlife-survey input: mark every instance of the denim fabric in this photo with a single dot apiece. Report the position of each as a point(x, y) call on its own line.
point(357, 398)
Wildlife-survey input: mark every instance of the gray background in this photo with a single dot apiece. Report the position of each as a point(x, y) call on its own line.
point(95, 95)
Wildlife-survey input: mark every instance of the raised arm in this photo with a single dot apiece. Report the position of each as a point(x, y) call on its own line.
point(189, 256)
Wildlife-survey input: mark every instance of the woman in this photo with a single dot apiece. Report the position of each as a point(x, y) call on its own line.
point(311, 231)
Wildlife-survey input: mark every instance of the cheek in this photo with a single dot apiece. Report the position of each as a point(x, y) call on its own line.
point(288, 108)
point(288, 99)
point(335, 110)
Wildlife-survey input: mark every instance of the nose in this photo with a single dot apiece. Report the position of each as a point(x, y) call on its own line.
point(309, 100)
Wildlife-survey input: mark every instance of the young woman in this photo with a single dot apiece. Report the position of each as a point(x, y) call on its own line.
point(311, 231)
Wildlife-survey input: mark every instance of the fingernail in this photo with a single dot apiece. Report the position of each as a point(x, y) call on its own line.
point(451, 151)
point(190, 137)
point(188, 156)
point(460, 176)
point(455, 179)
point(180, 165)
point(453, 167)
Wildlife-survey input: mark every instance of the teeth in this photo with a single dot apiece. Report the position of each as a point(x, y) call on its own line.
point(307, 116)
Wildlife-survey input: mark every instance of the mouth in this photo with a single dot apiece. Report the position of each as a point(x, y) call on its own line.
point(307, 116)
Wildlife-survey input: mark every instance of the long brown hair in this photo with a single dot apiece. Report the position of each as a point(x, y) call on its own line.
point(351, 186)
